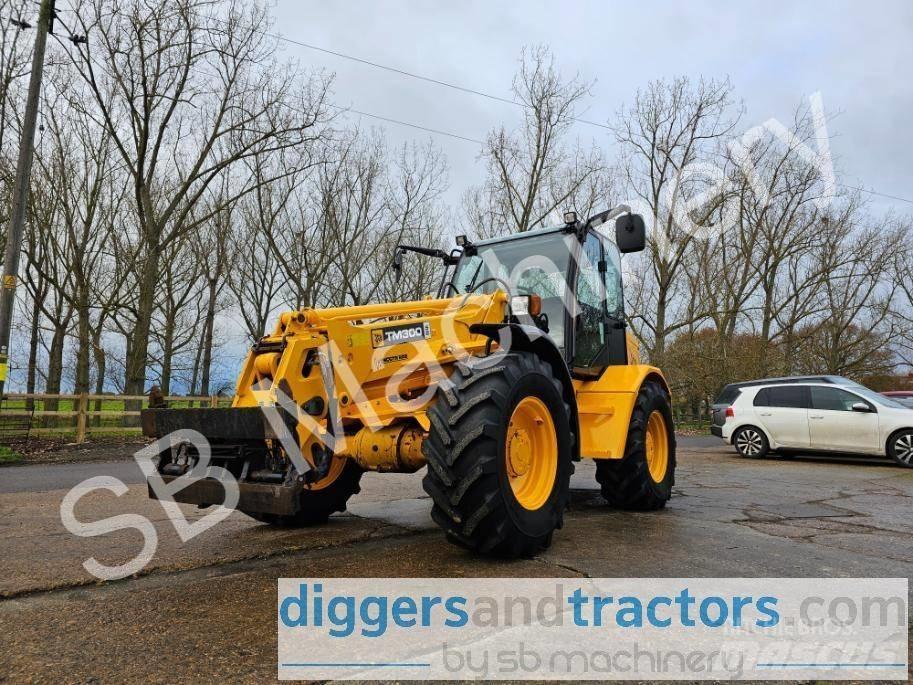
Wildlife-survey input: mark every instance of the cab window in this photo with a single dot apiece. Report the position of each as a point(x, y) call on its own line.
point(589, 334)
point(614, 293)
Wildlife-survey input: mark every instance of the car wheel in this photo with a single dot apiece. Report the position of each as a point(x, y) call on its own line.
point(751, 442)
point(900, 448)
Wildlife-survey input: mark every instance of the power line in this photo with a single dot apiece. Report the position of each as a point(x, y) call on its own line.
point(406, 123)
point(464, 89)
point(372, 115)
point(446, 84)
point(875, 192)
point(408, 74)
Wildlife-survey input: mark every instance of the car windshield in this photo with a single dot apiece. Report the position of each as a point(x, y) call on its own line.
point(876, 397)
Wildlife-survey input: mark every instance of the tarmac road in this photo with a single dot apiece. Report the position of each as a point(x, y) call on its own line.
point(205, 610)
point(46, 477)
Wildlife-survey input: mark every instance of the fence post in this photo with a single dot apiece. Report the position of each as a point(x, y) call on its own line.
point(213, 401)
point(82, 409)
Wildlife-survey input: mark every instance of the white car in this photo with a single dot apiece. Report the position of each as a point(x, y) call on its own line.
point(818, 417)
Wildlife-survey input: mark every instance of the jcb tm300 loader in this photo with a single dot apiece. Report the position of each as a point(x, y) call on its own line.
point(520, 367)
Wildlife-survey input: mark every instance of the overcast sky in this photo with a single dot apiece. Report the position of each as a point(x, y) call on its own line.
point(859, 55)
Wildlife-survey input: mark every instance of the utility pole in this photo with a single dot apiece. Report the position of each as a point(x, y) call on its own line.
point(21, 188)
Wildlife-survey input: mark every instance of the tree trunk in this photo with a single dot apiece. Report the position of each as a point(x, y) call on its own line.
point(766, 326)
point(208, 327)
point(135, 375)
point(100, 364)
point(138, 350)
point(167, 354)
point(34, 335)
point(55, 369)
point(83, 343)
point(196, 369)
point(659, 341)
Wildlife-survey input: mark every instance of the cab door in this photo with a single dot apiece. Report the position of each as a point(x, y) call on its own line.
point(598, 317)
point(616, 327)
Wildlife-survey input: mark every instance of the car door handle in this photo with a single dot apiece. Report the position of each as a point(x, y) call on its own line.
point(816, 417)
point(766, 414)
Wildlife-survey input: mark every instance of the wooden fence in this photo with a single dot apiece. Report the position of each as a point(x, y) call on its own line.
point(691, 419)
point(86, 414)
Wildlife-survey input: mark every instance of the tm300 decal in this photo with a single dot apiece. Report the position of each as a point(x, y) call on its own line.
point(394, 335)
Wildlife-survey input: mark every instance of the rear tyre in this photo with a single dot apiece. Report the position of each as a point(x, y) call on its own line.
point(642, 480)
point(499, 456)
point(751, 442)
point(900, 448)
point(320, 499)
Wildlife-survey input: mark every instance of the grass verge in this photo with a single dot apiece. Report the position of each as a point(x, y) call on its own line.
point(9, 456)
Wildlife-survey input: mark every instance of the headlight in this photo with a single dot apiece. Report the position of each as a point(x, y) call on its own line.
point(529, 305)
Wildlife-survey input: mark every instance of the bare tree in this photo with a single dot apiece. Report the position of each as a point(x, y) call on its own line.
point(396, 200)
point(254, 276)
point(671, 129)
point(213, 251)
point(77, 169)
point(902, 309)
point(534, 174)
point(179, 308)
point(14, 64)
point(188, 92)
point(850, 336)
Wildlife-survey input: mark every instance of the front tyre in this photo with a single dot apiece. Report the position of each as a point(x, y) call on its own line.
point(642, 480)
point(320, 499)
point(900, 448)
point(499, 456)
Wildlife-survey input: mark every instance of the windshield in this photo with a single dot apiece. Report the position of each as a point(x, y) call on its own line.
point(876, 397)
point(533, 265)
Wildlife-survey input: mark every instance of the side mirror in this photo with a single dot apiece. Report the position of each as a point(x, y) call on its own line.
point(630, 233)
point(861, 407)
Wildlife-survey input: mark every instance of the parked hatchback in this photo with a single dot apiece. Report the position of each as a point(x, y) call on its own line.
point(818, 417)
point(730, 392)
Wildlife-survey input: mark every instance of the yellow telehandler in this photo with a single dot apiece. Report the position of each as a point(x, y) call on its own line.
point(520, 367)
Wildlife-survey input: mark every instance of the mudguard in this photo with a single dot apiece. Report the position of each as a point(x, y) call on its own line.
point(519, 337)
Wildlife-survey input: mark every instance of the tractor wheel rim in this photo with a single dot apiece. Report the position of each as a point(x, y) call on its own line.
point(749, 442)
point(657, 447)
point(531, 453)
point(903, 448)
point(337, 466)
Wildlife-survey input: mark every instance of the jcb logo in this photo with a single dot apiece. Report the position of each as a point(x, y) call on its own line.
point(394, 335)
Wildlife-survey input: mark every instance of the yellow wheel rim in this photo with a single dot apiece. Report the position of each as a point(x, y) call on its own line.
point(337, 464)
point(336, 467)
point(531, 453)
point(657, 447)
